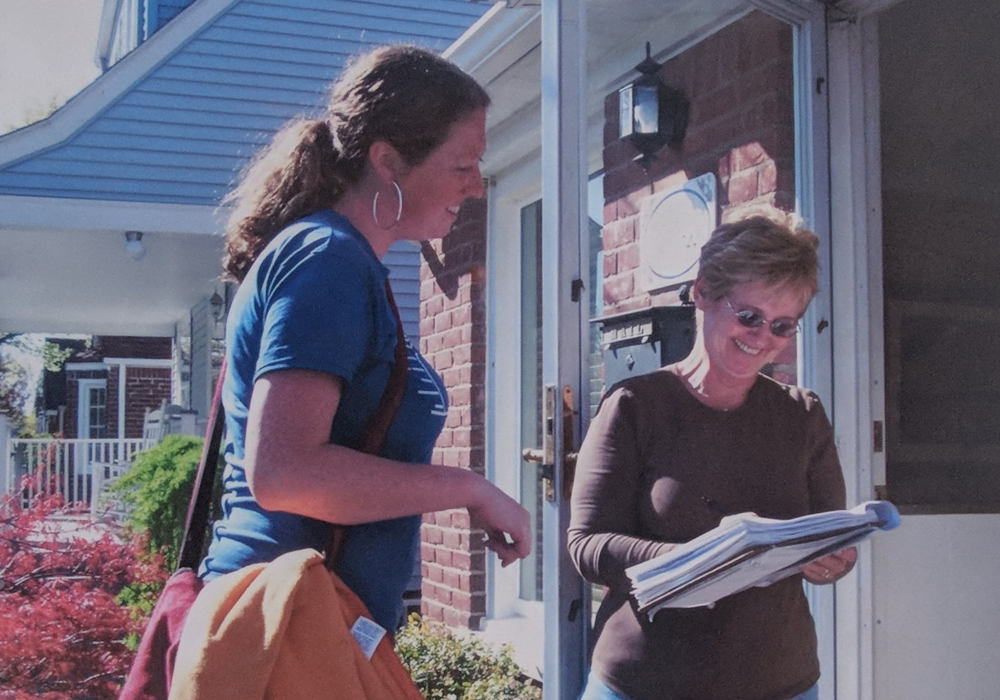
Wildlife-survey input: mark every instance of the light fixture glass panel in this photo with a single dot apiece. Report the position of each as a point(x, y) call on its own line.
point(647, 109)
point(625, 125)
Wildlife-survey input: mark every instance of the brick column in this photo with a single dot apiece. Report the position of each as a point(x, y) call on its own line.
point(113, 409)
point(146, 388)
point(453, 338)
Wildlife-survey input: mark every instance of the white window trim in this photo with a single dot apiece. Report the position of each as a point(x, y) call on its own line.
point(85, 367)
point(139, 362)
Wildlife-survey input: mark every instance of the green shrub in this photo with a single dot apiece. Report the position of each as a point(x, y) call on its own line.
point(157, 490)
point(445, 666)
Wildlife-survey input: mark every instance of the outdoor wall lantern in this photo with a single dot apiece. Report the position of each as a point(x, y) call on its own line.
point(133, 245)
point(651, 114)
point(218, 305)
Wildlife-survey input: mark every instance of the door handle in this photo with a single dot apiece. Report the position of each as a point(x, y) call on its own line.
point(533, 455)
point(545, 455)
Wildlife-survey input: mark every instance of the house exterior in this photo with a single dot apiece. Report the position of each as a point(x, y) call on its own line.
point(105, 389)
point(190, 91)
point(862, 118)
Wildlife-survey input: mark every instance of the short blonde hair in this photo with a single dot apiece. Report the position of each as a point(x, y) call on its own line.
point(758, 249)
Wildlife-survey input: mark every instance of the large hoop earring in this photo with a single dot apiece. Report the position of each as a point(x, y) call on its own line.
point(399, 210)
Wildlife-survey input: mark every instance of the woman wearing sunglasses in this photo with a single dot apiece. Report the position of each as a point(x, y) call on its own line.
point(670, 453)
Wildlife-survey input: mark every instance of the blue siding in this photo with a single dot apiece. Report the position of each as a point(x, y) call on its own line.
point(403, 261)
point(183, 130)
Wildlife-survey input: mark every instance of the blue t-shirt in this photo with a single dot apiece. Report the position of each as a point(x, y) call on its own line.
point(315, 299)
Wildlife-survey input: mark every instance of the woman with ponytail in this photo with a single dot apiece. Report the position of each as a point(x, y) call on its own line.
point(312, 334)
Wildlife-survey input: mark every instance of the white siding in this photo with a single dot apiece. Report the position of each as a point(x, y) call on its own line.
point(201, 359)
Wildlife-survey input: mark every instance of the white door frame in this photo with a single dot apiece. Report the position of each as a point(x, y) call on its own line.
point(83, 404)
point(565, 321)
point(83, 386)
point(564, 178)
point(856, 218)
point(508, 195)
point(858, 339)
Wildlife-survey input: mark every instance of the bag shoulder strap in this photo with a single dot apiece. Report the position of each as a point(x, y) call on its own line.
point(372, 436)
point(201, 498)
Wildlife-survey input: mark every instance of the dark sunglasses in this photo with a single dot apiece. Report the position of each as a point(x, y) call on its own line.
point(780, 327)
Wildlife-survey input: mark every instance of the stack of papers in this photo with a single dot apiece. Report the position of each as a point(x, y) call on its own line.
point(746, 550)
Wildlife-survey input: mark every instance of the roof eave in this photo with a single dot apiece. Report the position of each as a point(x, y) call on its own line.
point(93, 99)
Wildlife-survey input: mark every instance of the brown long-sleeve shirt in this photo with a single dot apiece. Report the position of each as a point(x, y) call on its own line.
point(655, 469)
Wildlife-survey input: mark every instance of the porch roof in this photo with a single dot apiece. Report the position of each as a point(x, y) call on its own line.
point(153, 144)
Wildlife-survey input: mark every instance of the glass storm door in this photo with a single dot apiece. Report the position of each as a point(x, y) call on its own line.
point(935, 580)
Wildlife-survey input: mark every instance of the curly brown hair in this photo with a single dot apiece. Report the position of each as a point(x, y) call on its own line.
point(404, 95)
point(758, 249)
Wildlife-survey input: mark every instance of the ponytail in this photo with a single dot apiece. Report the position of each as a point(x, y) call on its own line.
point(296, 175)
point(404, 95)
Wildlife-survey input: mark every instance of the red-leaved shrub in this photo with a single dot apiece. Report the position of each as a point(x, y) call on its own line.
point(64, 629)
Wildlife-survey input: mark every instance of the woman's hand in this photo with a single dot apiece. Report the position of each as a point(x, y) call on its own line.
point(831, 567)
point(505, 523)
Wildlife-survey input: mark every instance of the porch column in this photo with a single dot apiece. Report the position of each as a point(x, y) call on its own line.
point(565, 323)
point(6, 464)
point(453, 338)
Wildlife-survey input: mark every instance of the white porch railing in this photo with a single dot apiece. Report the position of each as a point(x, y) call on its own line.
point(80, 470)
point(76, 469)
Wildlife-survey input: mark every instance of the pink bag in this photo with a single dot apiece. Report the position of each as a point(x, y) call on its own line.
point(153, 667)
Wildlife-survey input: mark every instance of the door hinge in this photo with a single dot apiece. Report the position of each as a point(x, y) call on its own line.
point(878, 436)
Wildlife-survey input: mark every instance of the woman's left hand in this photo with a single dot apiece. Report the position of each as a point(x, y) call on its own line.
point(831, 567)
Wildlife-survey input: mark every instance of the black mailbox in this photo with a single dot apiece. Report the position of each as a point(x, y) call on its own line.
point(641, 341)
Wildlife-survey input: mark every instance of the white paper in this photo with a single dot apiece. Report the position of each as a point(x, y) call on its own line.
point(746, 551)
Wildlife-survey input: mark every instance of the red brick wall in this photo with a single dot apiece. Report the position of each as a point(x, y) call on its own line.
point(113, 403)
point(453, 338)
point(741, 129)
point(70, 418)
point(145, 388)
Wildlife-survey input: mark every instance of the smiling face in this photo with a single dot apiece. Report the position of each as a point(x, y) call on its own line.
point(736, 352)
point(434, 190)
